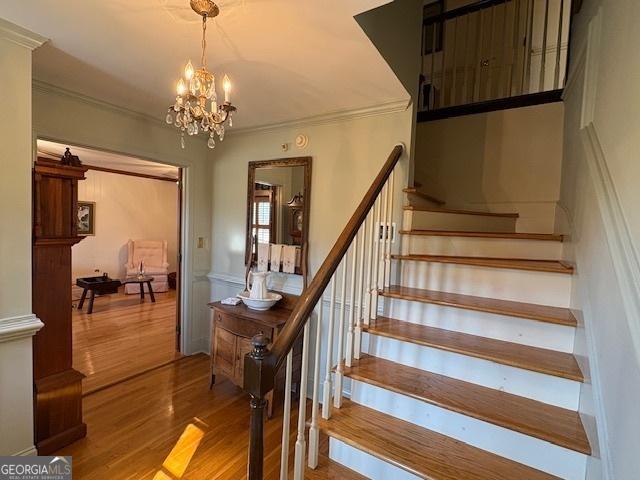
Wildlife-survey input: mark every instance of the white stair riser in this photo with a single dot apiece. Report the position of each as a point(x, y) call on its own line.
point(500, 327)
point(537, 386)
point(481, 247)
point(515, 446)
point(417, 220)
point(364, 463)
point(544, 288)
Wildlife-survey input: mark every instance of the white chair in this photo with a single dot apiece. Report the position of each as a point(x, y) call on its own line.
point(153, 254)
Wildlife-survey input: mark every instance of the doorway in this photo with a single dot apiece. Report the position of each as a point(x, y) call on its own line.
point(130, 214)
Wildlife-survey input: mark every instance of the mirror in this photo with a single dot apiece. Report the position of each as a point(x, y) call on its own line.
point(278, 194)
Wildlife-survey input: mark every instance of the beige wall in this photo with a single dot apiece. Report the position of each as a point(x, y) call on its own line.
point(347, 154)
point(600, 197)
point(496, 161)
point(17, 322)
point(70, 118)
point(127, 207)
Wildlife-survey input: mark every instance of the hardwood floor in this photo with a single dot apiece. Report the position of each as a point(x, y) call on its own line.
point(123, 337)
point(167, 424)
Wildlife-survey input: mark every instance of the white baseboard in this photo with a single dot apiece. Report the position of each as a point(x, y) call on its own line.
point(27, 452)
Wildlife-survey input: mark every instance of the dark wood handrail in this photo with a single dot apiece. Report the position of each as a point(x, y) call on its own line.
point(262, 364)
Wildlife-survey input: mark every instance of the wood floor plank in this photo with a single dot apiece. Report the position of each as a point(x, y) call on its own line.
point(547, 422)
point(542, 313)
point(459, 212)
point(424, 453)
point(549, 362)
point(133, 429)
point(549, 237)
point(123, 337)
point(552, 266)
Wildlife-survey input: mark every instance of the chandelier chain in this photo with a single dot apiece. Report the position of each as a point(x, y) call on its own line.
point(203, 60)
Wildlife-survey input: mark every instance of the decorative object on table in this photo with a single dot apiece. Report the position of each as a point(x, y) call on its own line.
point(290, 258)
point(257, 296)
point(154, 255)
point(231, 301)
point(276, 257)
point(264, 250)
point(141, 281)
point(86, 214)
point(141, 269)
point(102, 285)
point(190, 112)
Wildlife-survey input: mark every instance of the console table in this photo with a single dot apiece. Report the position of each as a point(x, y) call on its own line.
point(232, 328)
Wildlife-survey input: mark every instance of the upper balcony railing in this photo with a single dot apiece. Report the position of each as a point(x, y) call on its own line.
point(509, 52)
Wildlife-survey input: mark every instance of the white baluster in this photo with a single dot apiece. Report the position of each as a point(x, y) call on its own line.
point(383, 239)
point(389, 233)
point(375, 277)
point(314, 432)
point(357, 341)
point(298, 464)
point(367, 277)
point(352, 300)
point(326, 396)
point(337, 392)
point(286, 420)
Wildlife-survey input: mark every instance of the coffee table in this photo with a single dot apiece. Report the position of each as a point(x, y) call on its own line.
point(141, 281)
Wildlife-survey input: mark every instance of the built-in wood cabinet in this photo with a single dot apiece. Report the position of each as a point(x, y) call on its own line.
point(232, 328)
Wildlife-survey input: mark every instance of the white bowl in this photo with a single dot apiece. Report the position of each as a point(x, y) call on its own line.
point(260, 304)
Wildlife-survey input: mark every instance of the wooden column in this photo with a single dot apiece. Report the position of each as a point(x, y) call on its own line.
point(57, 386)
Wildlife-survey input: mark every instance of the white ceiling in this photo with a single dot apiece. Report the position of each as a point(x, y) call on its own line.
point(288, 59)
point(107, 159)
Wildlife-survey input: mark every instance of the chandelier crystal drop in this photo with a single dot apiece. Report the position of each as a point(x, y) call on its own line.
point(196, 108)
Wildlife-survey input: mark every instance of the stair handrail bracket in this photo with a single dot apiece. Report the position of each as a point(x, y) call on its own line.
point(262, 365)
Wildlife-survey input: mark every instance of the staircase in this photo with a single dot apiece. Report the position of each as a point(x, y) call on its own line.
point(455, 364)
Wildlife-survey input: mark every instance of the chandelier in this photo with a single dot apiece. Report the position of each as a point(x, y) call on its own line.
point(196, 91)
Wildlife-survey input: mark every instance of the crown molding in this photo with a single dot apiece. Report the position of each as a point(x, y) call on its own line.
point(20, 36)
point(13, 328)
point(395, 106)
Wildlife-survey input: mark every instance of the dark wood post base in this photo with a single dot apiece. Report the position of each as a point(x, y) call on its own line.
point(256, 444)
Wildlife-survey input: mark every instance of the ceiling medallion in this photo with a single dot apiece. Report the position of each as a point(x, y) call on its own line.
point(197, 88)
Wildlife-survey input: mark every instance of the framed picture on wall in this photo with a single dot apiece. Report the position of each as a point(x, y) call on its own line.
point(86, 218)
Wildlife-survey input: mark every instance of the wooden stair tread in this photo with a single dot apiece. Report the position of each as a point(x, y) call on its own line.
point(550, 237)
point(551, 266)
point(547, 422)
point(425, 196)
point(532, 311)
point(459, 212)
point(422, 452)
point(541, 360)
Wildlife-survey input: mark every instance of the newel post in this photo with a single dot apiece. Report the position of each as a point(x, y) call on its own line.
point(255, 370)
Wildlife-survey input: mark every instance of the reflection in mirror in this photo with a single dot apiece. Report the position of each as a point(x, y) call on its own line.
point(277, 212)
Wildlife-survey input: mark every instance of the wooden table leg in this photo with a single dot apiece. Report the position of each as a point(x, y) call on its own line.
point(91, 299)
point(141, 291)
point(82, 298)
point(153, 298)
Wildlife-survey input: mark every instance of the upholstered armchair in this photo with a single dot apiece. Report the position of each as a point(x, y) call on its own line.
point(153, 254)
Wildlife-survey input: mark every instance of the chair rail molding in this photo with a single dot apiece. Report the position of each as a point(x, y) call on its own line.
point(14, 328)
point(20, 36)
